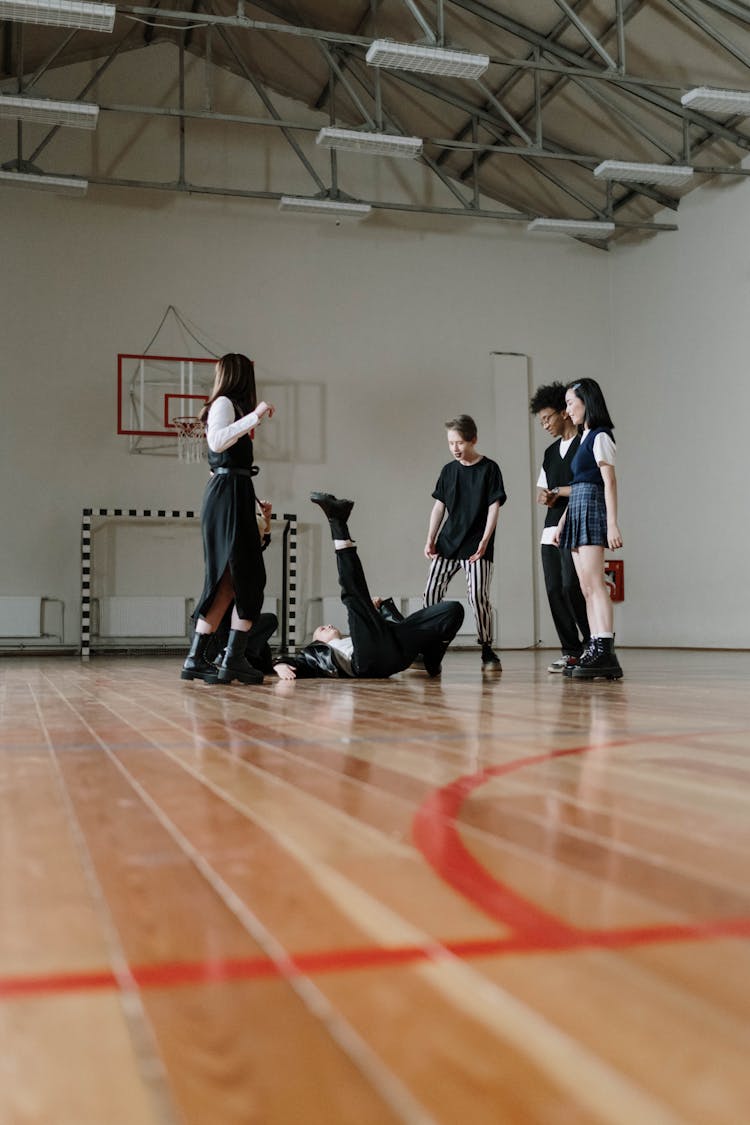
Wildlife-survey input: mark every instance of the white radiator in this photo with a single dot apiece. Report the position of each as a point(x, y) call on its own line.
point(20, 617)
point(142, 617)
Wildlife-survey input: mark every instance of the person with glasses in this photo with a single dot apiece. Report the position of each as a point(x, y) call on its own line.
point(566, 601)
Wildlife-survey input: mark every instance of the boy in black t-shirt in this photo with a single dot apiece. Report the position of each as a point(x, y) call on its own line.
point(470, 490)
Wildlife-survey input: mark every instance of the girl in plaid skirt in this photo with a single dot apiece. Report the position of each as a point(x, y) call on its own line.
point(590, 524)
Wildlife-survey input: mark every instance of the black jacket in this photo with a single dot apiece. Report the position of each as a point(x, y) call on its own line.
point(316, 659)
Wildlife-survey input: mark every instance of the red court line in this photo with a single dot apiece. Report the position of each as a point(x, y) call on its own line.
point(177, 973)
point(56, 982)
point(437, 836)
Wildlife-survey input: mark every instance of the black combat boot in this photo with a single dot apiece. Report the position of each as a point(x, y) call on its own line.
point(233, 664)
point(197, 666)
point(599, 662)
point(336, 511)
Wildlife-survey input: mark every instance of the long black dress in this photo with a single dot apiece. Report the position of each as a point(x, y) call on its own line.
point(230, 530)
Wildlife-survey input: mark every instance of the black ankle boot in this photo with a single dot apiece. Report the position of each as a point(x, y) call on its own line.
point(490, 659)
point(233, 664)
point(389, 611)
point(197, 666)
point(598, 661)
point(433, 659)
point(336, 511)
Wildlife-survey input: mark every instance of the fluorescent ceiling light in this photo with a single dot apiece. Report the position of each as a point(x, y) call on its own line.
point(62, 185)
point(60, 13)
point(429, 60)
point(717, 101)
point(578, 228)
point(376, 144)
point(335, 207)
point(670, 174)
point(47, 112)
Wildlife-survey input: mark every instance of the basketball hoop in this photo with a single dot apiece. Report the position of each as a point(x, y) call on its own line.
point(191, 437)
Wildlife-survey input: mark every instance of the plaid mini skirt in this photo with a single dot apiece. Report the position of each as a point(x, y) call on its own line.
point(586, 521)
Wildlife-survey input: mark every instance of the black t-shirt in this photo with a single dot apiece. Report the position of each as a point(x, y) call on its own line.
point(467, 492)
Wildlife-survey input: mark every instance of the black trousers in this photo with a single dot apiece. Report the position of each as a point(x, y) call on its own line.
point(383, 647)
point(566, 602)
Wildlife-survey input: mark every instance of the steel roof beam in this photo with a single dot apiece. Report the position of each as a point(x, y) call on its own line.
point(730, 8)
point(644, 92)
point(85, 89)
point(590, 38)
point(567, 189)
point(511, 80)
point(352, 39)
point(504, 113)
point(488, 119)
point(339, 72)
point(429, 33)
point(447, 181)
point(455, 212)
point(44, 66)
point(260, 91)
point(713, 32)
point(591, 91)
point(547, 42)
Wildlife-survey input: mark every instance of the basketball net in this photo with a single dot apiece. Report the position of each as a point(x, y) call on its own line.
point(191, 438)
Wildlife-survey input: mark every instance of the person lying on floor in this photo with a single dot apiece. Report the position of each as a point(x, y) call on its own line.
point(380, 641)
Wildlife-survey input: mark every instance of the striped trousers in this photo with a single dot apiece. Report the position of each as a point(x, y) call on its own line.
point(478, 579)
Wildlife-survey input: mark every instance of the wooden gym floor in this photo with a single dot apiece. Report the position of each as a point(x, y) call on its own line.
point(483, 900)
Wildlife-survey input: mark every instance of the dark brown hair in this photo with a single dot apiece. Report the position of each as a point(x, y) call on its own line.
point(465, 425)
point(235, 380)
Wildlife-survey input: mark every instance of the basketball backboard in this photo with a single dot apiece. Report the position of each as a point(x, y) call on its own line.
point(152, 390)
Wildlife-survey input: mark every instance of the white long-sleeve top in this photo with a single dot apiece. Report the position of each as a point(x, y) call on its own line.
point(222, 431)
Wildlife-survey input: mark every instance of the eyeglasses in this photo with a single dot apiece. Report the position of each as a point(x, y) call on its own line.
point(545, 420)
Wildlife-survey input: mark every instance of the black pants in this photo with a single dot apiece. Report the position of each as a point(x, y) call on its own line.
point(382, 647)
point(566, 602)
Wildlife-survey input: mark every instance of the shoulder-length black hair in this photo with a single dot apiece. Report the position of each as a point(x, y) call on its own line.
point(235, 380)
point(590, 393)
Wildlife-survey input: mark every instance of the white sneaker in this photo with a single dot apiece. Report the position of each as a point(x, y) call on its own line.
point(558, 665)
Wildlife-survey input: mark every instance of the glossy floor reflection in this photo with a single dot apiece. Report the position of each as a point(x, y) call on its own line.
point(487, 898)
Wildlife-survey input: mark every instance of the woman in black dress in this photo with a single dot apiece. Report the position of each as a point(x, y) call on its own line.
point(231, 540)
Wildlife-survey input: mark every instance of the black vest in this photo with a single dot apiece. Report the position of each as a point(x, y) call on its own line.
point(558, 471)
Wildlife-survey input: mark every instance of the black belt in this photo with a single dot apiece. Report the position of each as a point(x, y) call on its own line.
point(237, 472)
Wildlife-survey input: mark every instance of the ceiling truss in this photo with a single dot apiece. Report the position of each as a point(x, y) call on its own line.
point(519, 144)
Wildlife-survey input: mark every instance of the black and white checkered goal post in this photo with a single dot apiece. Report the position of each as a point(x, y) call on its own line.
point(289, 563)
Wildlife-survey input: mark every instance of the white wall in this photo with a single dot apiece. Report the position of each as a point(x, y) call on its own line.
point(397, 318)
point(681, 401)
